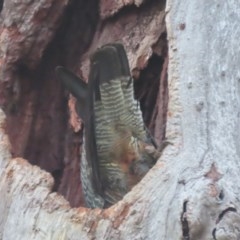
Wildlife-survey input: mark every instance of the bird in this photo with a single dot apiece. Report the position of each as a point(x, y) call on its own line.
point(117, 148)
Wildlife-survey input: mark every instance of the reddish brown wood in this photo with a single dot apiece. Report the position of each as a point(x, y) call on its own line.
point(35, 38)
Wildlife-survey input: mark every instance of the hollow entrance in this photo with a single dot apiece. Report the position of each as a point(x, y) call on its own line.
point(37, 108)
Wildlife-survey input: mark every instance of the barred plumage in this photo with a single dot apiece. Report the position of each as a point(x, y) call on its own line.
point(114, 155)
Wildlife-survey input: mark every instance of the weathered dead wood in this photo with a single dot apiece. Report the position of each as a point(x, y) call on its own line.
point(34, 101)
point(193, 191)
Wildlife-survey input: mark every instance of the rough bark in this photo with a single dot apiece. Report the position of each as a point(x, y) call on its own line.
point(192, 192)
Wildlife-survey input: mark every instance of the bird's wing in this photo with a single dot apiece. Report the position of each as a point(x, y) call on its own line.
point(84, 95)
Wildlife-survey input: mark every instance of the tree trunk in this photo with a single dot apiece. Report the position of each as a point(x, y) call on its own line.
point(192, 191)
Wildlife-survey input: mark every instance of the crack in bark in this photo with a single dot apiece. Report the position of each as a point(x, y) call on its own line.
point(221, 195)
point(214, 234)
point(221, 215)
point(185, 227)
point(41, 204)
point(1, 5)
